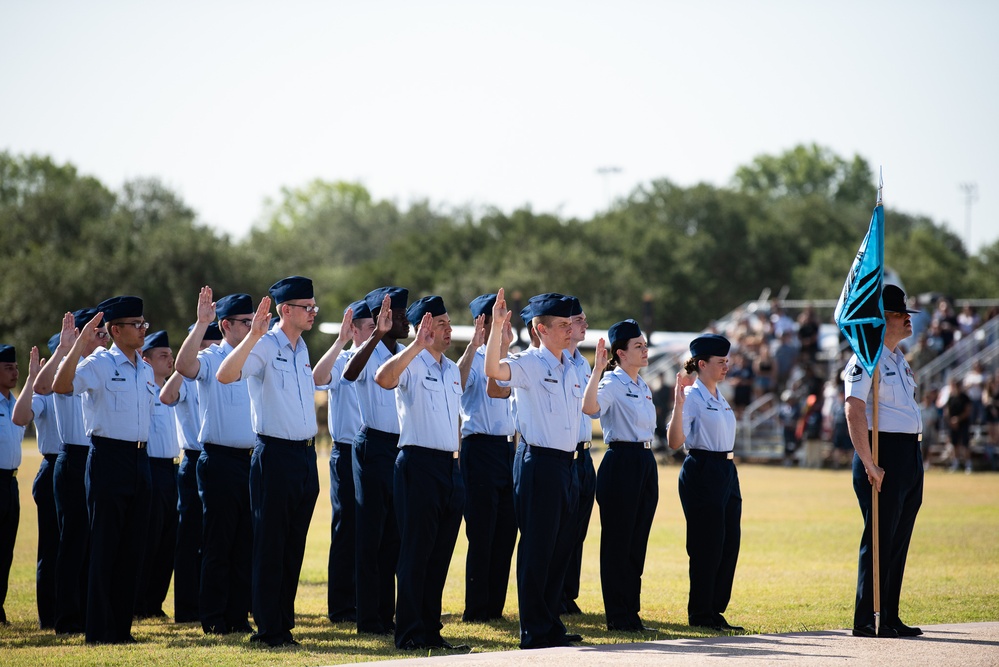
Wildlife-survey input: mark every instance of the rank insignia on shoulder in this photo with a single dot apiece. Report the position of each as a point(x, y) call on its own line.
point(854, 373)
point(515, 355)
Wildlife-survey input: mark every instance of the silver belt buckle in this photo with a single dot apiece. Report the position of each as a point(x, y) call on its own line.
point(575, 455)
point(454, 454)
point(730, 455)
point(647, 444)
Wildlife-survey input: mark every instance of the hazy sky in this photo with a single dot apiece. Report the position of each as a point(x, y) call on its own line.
point(506, 103)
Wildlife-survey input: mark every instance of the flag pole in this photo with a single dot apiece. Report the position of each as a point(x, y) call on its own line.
point(875, 520)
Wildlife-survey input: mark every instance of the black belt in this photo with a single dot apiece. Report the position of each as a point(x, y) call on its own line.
point(699, 453)
point(899, 438)
point(162, 462)
point(192, 453)
point(271, 440)
point(131, 444)
point(583, 445)
point(491, 439)
point(343, 446)
point(624, 444)
point(4, 473)
point(241, 452)
point(430, 451)
point(76, 450)
point(50, 457)
point(376, 432)
point(555, 453)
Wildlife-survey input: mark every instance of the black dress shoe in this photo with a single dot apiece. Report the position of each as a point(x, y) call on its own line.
point(570, 608)
point(728, 627)
point(573, 638)
point(412, 646)
point(869, 631)
point(904, 630)
point(448, 646)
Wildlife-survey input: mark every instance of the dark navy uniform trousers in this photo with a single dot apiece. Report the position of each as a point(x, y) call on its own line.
point(284, 486)
point(377, 530)
point(10, 516)
point(118, 496)
point(341, 594)
point(712, 505)
point(227, 546)
point(72, 562)
point(628, 492)
point(490, 523)
point(187, 558)
point(43, 492)
point(581, 518)
point(898, 503)
point(161, 541)
point(546, 493)
point(429, 499)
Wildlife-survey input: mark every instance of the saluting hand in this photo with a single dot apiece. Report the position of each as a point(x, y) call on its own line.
point(261, 318)
point(507, 338)
point(479, 334)
point(89, 332)
point(206, 307)
point(682, 382)
point(34, 362)
point(600, 358)
point(425, 336)
point(500, 313)
point(346, 333)
point(384, 323)
point(68, 334)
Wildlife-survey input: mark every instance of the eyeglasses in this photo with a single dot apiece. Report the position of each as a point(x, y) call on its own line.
point(245, 323)
point(138, 325)
point(308, 309)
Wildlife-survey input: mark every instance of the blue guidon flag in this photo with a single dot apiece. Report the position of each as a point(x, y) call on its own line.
point(860, 314)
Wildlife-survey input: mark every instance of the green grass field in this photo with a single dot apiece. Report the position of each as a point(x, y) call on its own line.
point(797, 571)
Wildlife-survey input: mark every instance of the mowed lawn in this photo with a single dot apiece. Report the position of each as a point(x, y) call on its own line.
point(797, 571)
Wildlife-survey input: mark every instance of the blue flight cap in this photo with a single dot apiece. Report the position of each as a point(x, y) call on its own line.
point(211, 333)
point(156, 339)
point(482, 305)
point(398, 295)
point(360, 310)
point(54, 342)
point(292, 287)
point(526, 315)
point(428, 304)
point(120, 307)
point(7, 355)
point(84, 315)
point(551, 303)
point(710, 345)
point(235, 304)
point(623, 330)
point(577, 308)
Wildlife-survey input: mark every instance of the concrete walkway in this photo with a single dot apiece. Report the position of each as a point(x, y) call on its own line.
point(963, 645)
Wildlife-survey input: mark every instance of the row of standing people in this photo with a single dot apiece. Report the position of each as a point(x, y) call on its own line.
point(231, 491)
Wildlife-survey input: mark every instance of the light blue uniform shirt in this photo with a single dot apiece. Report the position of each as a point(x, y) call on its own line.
point(583, 369)
point(899, 411)
point(69, 418)
point(186, 414)
point(282, 391)
point(223, 409)
point(549, 398)
point(118, 394)
point(344, 415)
point(163, 442)
point(377, 405)
point(479, 412)
point(708, 422)
point(627, 413)
point(46, 426)
point(429, 398)
point(10, 435)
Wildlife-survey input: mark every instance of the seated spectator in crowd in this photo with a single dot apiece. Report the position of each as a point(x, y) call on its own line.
point(967, 320)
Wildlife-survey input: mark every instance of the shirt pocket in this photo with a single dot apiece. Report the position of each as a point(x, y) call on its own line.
point(553, 397)
point(118, 393)
point(435, 392)
point(282, 373)
point(894, 389)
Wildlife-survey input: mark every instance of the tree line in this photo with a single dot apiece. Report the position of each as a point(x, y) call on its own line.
point(675, 256)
